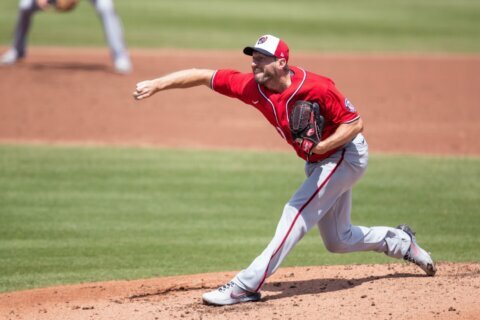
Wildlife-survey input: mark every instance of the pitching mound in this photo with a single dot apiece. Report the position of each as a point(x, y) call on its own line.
point(392, 291)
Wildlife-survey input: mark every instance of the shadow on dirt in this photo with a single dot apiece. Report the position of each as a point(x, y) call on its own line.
point(71, 66)
point(296, 288)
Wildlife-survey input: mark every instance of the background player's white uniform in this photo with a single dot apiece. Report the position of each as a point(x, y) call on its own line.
point(111, 25)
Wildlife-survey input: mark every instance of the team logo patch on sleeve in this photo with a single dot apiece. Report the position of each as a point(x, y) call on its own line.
point(350, 107)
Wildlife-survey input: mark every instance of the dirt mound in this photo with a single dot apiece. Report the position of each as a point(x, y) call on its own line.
point(391, 291)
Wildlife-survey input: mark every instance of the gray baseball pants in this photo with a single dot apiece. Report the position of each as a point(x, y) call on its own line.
point(325, 200)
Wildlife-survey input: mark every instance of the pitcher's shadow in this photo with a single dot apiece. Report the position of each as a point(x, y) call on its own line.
point(315, 286)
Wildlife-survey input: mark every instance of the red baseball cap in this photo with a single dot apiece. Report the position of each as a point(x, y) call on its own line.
point(270, 46)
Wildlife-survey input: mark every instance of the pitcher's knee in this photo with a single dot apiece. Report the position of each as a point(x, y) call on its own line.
point(341, 243)
point(337, 246)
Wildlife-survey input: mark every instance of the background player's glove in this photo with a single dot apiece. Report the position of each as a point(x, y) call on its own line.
point(306, 125)
point(63, 5)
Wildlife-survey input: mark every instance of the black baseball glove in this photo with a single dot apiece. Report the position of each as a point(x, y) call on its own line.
point(306, 125)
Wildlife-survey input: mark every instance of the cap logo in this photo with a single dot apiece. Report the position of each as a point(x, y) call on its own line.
point(262, 40)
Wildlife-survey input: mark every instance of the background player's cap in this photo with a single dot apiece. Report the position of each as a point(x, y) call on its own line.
point(269, 45)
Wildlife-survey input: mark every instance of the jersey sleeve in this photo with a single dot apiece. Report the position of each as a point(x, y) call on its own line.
point(338, 109)
point(231, 83)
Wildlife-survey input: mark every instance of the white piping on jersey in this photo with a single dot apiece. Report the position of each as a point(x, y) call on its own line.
point(353, 120)
point(301, 84)
point(286, 106)
point(211, 79)
point(274, 112)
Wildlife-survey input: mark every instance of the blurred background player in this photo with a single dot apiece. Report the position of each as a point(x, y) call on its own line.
point(111, 25)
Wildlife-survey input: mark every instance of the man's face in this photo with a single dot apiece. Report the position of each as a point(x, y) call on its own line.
point(264, 67)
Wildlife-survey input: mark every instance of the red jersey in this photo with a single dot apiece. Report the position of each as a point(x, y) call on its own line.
point(334, 107)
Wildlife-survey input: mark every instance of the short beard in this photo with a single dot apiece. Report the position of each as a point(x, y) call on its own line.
point(264, 78)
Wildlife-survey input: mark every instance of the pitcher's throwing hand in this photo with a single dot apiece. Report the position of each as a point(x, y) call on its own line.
point(145, 89)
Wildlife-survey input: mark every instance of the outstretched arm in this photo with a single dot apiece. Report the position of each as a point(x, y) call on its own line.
point(176, 80)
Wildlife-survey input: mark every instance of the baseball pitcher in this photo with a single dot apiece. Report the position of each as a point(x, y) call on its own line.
point(323, 128)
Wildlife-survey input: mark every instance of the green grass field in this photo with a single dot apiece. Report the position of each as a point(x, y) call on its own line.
point(71, 214)
point(343, 25)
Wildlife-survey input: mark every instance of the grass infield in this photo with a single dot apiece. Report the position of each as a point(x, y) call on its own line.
point(342, 25)
point(75, 214)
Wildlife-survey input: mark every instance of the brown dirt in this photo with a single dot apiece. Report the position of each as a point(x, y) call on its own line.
point(410, 103)
point(392, 291)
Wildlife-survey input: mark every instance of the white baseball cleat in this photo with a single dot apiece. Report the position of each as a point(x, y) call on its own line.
point(123, 65)
point(10, 57)
point(229, 293)
point(417, 255)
